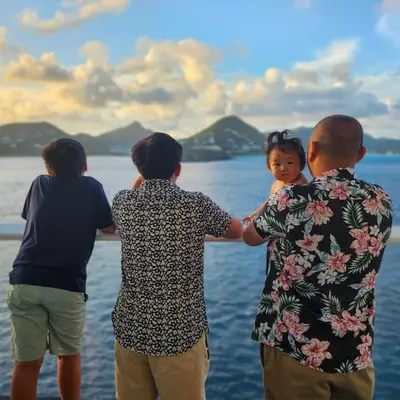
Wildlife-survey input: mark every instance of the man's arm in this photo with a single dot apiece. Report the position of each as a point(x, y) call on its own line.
point(235, 229)
point(219, 223)
point(138, 182)
point(270, 223)
point(103, 216)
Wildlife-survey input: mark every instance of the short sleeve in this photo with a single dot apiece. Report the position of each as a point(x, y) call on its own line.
point(116, 206)
point(217, 221)
point(26, 207)
point(103, 214)
point(270, 222)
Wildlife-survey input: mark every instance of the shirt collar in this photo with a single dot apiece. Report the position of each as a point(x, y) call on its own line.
point(156, 184)
point(338, 173)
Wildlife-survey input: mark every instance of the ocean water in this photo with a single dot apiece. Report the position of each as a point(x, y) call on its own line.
point(234, 277)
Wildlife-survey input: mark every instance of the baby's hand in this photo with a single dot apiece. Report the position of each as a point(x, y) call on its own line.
point(248, 219)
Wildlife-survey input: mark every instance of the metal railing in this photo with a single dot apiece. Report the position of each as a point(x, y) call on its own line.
point(15, 230)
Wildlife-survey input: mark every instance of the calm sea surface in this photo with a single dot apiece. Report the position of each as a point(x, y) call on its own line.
point(234, 277)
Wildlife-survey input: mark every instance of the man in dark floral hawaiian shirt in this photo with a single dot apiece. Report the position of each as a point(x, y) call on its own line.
point(326, 241)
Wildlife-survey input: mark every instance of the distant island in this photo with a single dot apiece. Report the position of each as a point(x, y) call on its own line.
point(226, 138)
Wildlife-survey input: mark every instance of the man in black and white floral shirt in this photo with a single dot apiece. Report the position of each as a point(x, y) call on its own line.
point(326, 241)
point(160, 320)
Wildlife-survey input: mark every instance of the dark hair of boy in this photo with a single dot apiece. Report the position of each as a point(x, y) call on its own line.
point(64, 158)
point(285, 142)
point(157, 156)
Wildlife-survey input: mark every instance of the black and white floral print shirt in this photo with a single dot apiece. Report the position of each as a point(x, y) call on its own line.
point(161, 309)
point(326, 243)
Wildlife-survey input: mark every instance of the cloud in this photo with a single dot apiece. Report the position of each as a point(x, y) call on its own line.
point(175, 86)
point(387, 6)
point(83, 10)
point(28, 69)
point(388, 24)
point(302, 4)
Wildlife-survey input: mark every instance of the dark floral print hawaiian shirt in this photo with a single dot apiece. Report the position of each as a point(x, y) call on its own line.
point(326, 241)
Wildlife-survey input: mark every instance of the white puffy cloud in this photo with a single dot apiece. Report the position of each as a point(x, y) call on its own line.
point(27, 68)
point(83, 10)
point(174, 86)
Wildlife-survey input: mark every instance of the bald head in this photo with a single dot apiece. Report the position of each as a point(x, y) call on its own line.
point(339, 138)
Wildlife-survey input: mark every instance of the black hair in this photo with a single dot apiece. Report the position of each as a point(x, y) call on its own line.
point(285, 141)
point(157, 156)
point(64, 158)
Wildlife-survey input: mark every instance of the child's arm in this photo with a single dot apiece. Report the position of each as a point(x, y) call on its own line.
point(138, 182)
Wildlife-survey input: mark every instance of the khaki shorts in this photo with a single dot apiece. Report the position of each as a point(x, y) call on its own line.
point(287, 379)
point(180, 377)
point(44, 318)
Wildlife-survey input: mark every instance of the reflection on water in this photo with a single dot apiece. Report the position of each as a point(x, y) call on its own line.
point(233, 278)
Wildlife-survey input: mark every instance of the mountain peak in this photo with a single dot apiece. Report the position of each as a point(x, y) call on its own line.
point(230, 134)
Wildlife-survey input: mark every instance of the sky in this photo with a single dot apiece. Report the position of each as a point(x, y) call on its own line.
point(178, 65)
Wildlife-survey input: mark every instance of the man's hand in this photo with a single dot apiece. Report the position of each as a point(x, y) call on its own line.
point(138, 182)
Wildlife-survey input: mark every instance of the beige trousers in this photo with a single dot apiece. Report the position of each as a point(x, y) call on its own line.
point(287, 379)
point(181, 377)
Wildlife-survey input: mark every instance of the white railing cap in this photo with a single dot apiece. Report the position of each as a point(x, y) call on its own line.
point(14, 231)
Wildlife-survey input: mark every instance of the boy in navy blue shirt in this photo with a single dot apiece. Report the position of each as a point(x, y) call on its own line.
point(46, 298)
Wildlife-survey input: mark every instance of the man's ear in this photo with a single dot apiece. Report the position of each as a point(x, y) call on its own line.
point(312, 151)
point(178, 170)
point(361, 153)
point(85, 168)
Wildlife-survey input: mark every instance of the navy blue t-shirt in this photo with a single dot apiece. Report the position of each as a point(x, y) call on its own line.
point(62, 217)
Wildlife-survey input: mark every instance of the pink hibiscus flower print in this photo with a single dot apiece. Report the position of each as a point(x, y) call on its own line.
point(376, 245)
point(373, 206)
point(291, 272)
point(353, 324)
point(363, 360)
point(338, 262)
point(368, 282)
point(332, 172)
point(364, 348)
point(339, 191)
point(320, 211)
point(283, 200)
point(295, 327)
point(381, 195)
point(313, 363)
point(280, 328)
point(338, 325)
point(310, 242)
point(362, 240)
point(316, 351)
point(366, 342)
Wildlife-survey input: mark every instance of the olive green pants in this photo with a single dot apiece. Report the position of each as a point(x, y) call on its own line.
point(287, 379)
point(44, 318)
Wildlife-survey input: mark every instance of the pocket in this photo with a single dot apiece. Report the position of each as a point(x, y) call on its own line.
point(11, 296)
